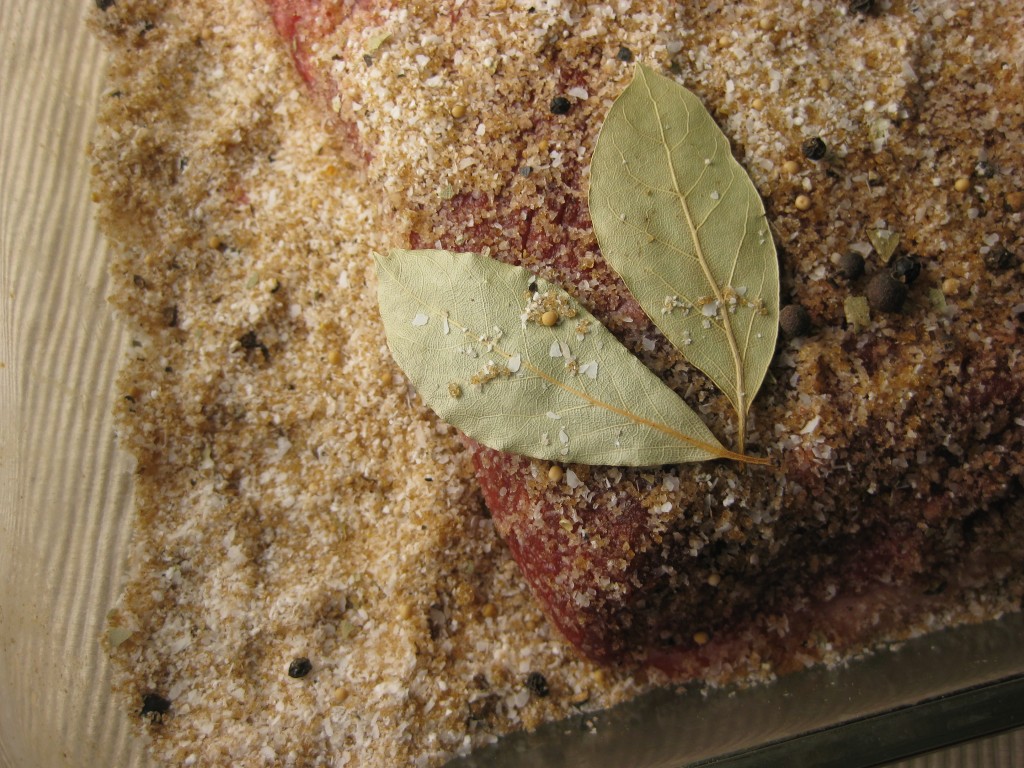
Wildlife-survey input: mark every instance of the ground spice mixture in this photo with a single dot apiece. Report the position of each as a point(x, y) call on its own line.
point(315, 578)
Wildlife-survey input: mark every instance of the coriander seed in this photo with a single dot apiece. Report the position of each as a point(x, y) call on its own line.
point(802, 202)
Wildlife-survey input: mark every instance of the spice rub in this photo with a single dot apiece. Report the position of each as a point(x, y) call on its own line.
point(297, 502)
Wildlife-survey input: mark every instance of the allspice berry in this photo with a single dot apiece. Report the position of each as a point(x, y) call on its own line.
point(851, 265)
point(885, 293)
point(794, 321)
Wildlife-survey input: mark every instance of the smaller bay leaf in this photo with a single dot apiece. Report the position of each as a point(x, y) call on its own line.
point(474, 336)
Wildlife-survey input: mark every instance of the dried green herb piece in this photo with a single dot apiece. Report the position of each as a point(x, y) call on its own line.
point(478, 341)
point(885, 242)
point(680, 221)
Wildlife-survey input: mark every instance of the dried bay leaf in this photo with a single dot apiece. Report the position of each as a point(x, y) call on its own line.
point(680, 221)
point(475, 337)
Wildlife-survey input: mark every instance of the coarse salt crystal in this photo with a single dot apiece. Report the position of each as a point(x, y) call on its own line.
point(811, 425)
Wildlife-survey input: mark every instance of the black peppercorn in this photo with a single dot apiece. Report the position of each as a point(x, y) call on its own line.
point(985, 169)
point(300, 667)
point(250, 341)
point(624, 54)
point(906, 268)
point(794, 321)
point(104, 4)
point(170, 315)
point(814, 148)
point(851, 265)
point(560, 105)
point(526, 170)
point(537, 684)
point(999, 259)
point(154, 706)
point(861, 6)
point(885, 293)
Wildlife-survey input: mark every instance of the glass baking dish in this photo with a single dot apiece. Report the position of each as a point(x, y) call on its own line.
point(927, 693)
point(65, 503)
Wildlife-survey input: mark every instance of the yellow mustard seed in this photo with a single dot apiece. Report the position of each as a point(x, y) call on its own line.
point(757, 104)
point(962, 184)
point(714, 579)
point(459, 111)
point(549, 318)
point(334, 357)
point(1015, 201)
point(790, 167)
point(556, 473)
point(489, 611)
point(802, 202)
point(701, 638)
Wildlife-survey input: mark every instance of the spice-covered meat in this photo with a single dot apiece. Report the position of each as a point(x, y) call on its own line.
point(899, 444)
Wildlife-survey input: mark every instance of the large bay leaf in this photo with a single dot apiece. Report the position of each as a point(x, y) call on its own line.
point(470, 333)
point(678, 218)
